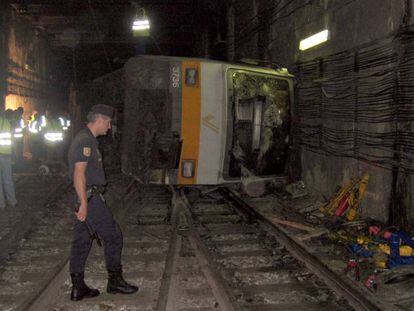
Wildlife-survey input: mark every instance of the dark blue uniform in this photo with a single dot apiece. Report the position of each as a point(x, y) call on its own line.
point(84, 148)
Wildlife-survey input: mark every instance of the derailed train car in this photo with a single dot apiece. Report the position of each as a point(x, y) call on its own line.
point(202, 122)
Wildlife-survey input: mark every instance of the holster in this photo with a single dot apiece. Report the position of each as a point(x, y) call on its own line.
point(95, 190)
point(90, 192)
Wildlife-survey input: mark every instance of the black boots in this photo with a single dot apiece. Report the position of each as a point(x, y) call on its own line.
point(117, 284)
point(79, 289)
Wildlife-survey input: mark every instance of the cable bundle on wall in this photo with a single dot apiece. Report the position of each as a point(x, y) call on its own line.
point(359, 103)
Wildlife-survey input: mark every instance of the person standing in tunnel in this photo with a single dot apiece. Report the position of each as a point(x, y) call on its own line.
point(86, 172)
point(7, 193)
point(18, 128)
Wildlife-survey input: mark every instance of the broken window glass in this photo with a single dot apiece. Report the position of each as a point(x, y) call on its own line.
point(260, 108)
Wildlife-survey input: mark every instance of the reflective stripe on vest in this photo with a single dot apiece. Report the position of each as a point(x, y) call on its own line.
point(5, 136)
point(33, 127)
point(64, 123)
point(5, 139)
point(54, 136)
point(53, 131)
point(18, 131)
point(43, 121)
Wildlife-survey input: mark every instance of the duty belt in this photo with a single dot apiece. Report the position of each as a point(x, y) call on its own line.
point(95, 190)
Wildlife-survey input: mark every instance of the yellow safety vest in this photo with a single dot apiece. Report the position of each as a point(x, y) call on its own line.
point(65, 123)
point(53, 132)
point(5, 136)
point(18, 130)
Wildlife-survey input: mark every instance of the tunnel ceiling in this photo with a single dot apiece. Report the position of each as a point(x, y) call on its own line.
point(97, 33)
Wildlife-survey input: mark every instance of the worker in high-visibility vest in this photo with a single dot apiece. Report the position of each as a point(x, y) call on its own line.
point(35, 128)
point(53, 138)
point(36, 124)
point(18, 126)
point(19, 123)
point(7, 192)
point(53, 132)
point(65, 123)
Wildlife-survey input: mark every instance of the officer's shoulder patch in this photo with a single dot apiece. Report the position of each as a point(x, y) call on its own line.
point(86, 151)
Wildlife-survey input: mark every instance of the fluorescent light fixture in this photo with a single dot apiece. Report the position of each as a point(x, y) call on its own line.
point(141, 25)
point(313, 40)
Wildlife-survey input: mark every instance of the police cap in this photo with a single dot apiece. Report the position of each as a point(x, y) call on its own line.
point(103, 109)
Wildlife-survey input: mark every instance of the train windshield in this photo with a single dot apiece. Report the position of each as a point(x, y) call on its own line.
point(259, 124)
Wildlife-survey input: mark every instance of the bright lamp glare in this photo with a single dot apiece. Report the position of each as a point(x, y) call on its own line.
point(135, 27)
point(313, 40)
point(141, 25)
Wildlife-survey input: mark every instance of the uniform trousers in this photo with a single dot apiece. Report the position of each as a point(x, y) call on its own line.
point(101, 219)
point(7, 193)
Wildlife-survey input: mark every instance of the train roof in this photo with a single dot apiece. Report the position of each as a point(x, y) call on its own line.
point(281, 71)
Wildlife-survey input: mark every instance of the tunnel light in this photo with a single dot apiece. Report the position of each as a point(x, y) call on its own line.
point(141, 25)
point(314, 40)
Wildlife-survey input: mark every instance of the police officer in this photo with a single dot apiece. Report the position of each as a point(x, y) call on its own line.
point(87, 174)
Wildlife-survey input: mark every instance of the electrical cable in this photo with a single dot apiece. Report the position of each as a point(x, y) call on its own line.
point(98, 35)
point(357, 104)
point(259, 26)
point(117, 78)
point(274, 17)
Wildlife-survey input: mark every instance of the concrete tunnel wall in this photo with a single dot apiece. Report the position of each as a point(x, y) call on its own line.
point(25, 64)
point(272, 30)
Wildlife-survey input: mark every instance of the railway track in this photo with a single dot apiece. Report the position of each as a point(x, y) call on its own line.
point(145, 226)
point(16, 223)
point(257, 269)
point(186, 252)
point(33, 246)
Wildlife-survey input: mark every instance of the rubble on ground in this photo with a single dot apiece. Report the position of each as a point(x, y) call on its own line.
point(364, 250)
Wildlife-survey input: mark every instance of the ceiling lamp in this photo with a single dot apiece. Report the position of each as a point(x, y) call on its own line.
point(141, 25)
point(314, 40)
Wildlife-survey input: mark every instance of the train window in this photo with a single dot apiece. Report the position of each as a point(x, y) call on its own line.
point(244, 111)
point(188, 168)
point(260, 126)
point(191, 76)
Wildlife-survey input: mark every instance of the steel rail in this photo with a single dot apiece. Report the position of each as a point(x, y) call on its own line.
point(9, 242)
point(221, 290)
point(360, 300)
point(165, 295)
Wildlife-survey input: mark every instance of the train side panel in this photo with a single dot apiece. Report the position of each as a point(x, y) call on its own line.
point(195, 121)
point(152, 119)
point(190, 125)
point(211, 131)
